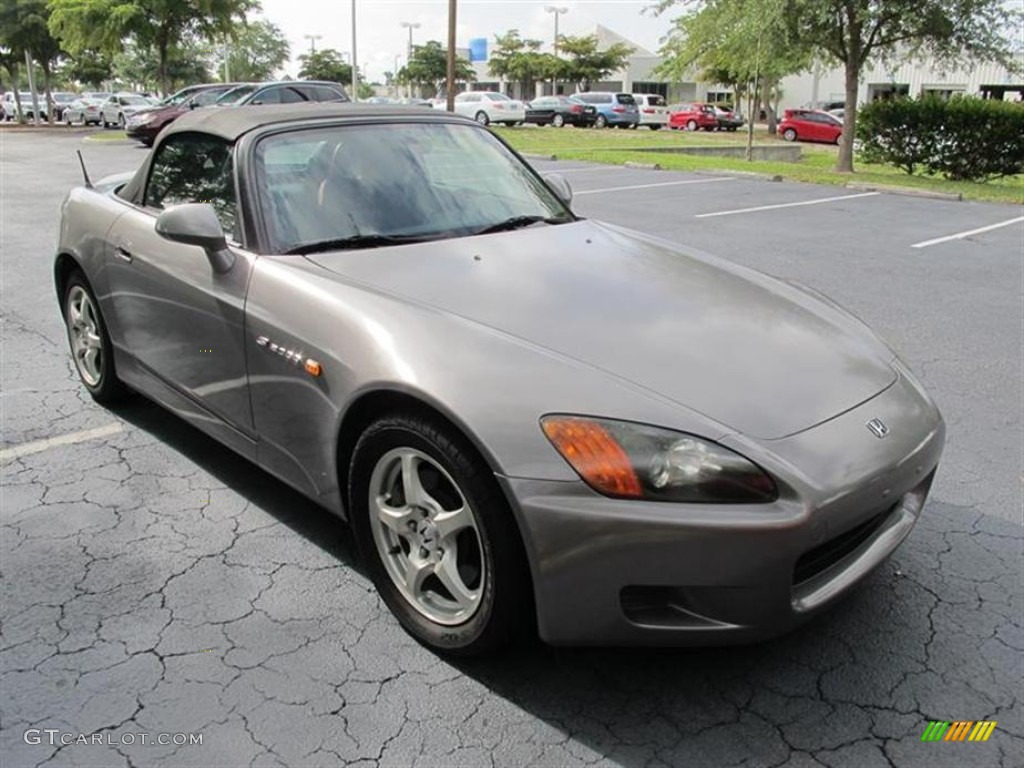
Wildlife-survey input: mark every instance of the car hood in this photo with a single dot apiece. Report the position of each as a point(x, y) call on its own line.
point(752, 353)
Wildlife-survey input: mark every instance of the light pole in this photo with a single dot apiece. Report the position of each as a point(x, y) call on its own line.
point(410, 25)
point(558, 12)
point(450, 68)
point(355, 69)
point(312, 41)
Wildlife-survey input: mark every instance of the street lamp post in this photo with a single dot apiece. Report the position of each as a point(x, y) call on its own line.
point(355, 69)
point(312, 41)
point(558, 12)
point(410, 25)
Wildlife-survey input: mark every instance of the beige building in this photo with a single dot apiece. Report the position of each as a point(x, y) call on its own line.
point(819, 87)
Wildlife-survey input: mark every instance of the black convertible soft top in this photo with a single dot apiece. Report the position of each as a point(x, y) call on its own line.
point(231, 122)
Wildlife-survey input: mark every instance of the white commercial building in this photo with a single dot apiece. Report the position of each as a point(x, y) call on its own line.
point(819, 87)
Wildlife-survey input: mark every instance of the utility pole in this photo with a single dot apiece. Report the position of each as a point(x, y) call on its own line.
point(32, 89)
point(558, 12)
point(355, 69)
point(410, 25)
point(312, 41)
point(450, 80)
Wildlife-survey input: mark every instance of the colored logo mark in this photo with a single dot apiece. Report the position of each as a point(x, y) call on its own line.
point(960, 730)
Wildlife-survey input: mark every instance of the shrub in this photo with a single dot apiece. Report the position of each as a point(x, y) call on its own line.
point(965, 138)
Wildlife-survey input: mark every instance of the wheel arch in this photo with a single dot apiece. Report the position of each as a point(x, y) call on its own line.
point(63, 266)
point(379, 401)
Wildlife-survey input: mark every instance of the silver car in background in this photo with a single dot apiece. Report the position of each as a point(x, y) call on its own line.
point(119, 107)
point(532, 421)
point(84, 110)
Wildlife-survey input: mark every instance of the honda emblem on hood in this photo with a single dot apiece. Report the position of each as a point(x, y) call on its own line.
point(878, 428)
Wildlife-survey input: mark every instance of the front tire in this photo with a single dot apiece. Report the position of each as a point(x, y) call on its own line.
point(482, 118)
point(601, 122)
point(789, 134)
point(91, 349)
point(437, 536)
point(691, 125)
point(558, 121)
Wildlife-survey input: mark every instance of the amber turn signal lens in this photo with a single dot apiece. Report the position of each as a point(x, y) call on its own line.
point(313, 368)
point(594, 454)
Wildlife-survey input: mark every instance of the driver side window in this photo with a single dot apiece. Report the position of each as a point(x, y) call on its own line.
point(195, 168)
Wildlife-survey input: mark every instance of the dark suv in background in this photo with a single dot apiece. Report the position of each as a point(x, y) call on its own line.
point(283, 92)
point(145, 124)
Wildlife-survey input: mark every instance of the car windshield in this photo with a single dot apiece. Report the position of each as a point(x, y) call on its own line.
point(235, 95)
point(366, 185)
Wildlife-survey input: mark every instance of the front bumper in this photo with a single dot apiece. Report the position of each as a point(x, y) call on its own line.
point(616, 572)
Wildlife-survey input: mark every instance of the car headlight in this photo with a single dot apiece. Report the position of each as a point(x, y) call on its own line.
point(635, 461)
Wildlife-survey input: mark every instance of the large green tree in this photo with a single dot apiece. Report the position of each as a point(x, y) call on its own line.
point(154, 26)
point(428, 68)
point(89, 68)
point(257, 49)
point(856, 33)
point(325, 64)
point(520, 61)
point(586, 63)
point(24, 27)
point(744, 44)
point(187, 62)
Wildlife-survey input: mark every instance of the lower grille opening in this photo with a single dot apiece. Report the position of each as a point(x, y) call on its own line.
point(824, 556)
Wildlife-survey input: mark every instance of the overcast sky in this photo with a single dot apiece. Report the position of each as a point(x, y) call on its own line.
point(381, 37)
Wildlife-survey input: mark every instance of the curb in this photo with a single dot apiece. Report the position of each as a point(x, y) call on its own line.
point(742, 174)
point(907, 191)
point(644, 166)
point(533, 156)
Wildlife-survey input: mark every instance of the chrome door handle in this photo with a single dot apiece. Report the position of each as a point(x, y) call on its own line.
point(122, 254)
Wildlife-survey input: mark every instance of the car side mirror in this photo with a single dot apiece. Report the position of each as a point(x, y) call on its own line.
point(561, 186)
point(197, 224)
point(192, 104)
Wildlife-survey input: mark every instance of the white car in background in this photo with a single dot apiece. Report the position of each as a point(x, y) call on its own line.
point(10, 106)
point(118, 107)
point(488, 107)
point(84, 110)
point(653, 110)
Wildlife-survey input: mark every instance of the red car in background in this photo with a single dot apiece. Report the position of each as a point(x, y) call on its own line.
point(692, 116)
point(145, 124)
point(810, 125)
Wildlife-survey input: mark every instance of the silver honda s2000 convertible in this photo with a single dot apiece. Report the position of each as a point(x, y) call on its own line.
point(532, 421)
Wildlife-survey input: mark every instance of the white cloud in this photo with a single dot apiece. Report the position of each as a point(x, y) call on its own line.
point(381, 37)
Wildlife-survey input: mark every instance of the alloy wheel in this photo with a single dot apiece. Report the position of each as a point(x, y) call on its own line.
point(86, 338)
point(427, 536)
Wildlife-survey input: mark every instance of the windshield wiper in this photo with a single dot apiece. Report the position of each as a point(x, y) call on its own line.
point(354, 242)
point(518, 222)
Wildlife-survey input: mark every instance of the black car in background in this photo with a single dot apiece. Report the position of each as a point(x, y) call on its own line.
point(559, 111)
point(283, 92)
point(727, 119)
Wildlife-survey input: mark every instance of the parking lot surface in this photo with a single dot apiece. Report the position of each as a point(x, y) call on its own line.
point(152, 583)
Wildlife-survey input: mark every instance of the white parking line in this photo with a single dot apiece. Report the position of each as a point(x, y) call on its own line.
point(38, 446)
point(968, 233)
point(586, 170)
point(786, 205)
point(649, 186)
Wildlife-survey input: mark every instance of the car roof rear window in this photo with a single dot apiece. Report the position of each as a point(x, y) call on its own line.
point(625, 98)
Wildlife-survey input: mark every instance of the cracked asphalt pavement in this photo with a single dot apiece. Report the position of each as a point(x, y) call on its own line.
point(152, 582)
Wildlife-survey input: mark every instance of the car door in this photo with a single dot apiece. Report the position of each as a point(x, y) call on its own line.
point(183, 322)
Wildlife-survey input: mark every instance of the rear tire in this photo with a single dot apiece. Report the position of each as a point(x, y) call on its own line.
point(601, 122)
point(427, 513)
point(91, 350)
point(655, 127)
point(789, 134)
point(691, 125)
point(558, 121)
point(482, 118)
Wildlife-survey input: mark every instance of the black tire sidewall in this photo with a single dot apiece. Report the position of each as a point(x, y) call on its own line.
point(502, 611)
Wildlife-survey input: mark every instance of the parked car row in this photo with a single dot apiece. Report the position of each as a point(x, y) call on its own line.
point(69, 108)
